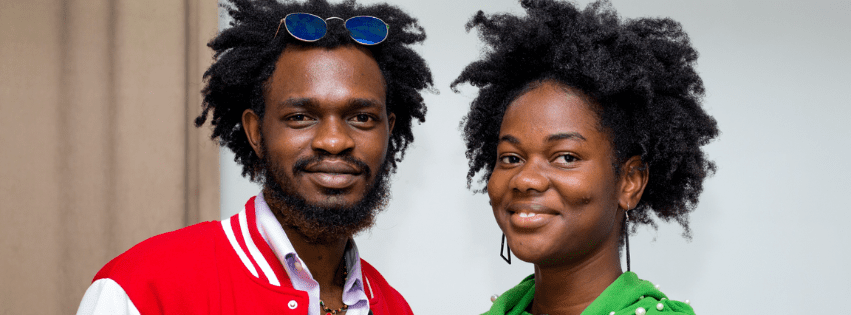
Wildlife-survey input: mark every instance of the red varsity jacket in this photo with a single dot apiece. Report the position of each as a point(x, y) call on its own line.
point(205, 269)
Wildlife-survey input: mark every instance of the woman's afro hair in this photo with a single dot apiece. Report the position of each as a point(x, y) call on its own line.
point(246, 53)
point(639, 73)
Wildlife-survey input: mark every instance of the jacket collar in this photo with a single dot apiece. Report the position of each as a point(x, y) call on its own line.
point(249, 245)
point(262, 245)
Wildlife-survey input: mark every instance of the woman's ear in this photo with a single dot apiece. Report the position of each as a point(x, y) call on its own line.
point(251, 124)
point(633, 180)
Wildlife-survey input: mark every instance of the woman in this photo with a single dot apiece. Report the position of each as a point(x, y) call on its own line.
point(584, 125)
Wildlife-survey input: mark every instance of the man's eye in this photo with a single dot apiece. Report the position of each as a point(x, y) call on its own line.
point(362, 118)
point(298, 117)
point(509, 159)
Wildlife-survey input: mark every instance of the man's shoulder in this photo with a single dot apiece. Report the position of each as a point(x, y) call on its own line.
point(378, 287)
point(164, 255)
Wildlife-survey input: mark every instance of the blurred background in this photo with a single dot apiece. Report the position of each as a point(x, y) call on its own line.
point(97, 153)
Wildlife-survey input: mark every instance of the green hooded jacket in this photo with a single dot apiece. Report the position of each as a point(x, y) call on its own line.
point(623, 297)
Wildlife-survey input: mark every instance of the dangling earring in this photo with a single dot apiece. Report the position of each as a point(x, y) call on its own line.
point(507, 259)
point(626, 229)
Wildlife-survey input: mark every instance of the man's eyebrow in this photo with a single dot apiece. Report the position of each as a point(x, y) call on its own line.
point(565, 135)
point(308, 103)
point(305, 103)
point(360, 103)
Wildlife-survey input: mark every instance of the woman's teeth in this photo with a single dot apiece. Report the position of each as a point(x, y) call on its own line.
point(526, 214)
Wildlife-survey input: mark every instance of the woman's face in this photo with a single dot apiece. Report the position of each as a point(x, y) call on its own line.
point(553, 190)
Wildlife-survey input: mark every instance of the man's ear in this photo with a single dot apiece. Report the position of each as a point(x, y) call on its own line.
point(391, 121)
point(633, 180)
point(251, 124)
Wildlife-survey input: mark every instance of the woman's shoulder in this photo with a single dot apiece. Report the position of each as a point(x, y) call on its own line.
point(631, 295)
point(516, 298)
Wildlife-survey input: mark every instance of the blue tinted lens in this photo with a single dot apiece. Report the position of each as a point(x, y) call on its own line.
point(305, 26)
point(367, 30)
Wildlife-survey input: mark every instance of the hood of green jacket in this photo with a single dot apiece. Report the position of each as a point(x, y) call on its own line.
point(623, 297)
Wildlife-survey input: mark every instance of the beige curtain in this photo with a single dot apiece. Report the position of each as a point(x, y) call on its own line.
point(97, 150)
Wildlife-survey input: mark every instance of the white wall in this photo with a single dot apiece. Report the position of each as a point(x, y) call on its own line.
point(770, 234)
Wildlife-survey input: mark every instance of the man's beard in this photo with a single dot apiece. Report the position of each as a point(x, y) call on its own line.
point(323, 223)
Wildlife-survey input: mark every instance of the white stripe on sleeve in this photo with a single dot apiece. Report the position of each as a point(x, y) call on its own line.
point(106, 297)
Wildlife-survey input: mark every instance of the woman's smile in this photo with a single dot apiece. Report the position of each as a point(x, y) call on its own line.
point(530, 216)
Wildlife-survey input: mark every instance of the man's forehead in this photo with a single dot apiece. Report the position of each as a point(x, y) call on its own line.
point(343, 72)
point(316, 55)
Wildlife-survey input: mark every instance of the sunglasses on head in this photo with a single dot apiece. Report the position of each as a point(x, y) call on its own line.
point(366, 30)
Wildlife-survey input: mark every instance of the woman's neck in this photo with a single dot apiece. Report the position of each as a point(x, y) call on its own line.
point(568, 289)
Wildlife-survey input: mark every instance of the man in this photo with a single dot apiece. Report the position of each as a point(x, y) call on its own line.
point(319, 110)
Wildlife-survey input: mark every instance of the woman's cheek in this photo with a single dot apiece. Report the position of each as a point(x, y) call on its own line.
point(576, 191)
point(497, 188)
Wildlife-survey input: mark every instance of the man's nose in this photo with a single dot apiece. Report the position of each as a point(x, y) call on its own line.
point(333, 137)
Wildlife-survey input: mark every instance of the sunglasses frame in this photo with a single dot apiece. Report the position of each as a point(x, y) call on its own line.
point(326, 27)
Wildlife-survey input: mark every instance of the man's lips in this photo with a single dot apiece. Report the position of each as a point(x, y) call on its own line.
point(332, 180)
point(333, 167)
point(529, 216)
point(333, 174)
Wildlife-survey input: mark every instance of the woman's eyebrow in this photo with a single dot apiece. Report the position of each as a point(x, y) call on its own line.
point(509, 138)
point(565, 135)
point(554, 137)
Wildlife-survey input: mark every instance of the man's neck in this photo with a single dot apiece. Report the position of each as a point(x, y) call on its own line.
point(323, 260)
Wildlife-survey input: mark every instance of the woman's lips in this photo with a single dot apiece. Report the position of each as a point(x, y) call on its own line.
point(529, 221)
point(529, 216)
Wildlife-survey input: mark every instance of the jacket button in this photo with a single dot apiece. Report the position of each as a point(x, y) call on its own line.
point(293, 304)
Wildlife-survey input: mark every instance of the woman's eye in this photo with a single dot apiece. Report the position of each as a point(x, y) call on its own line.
point(567, 159)
point(509, 159)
